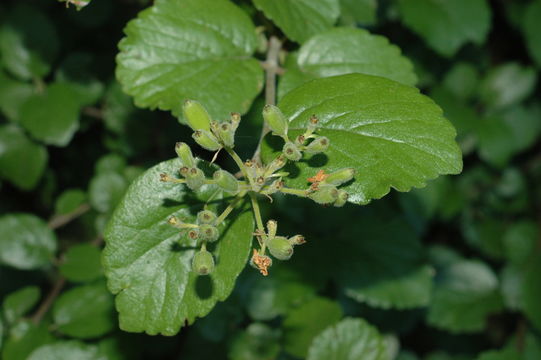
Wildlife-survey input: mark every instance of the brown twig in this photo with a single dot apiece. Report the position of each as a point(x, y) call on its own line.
point(46, 304)
point(58, 221)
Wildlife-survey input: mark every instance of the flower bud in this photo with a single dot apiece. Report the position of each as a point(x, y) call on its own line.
point(195, 178)
point(226, 181)
point(276, 165)
point(205, 217)
point(196, 115)
point(291, 151)
point(342, 198)
point(226, 134)
point(318, 145)
point(185, 154)
point(193, 234)
point(206, 140)
point(339, 176)
point(208, 232)
point(325, 194)
point(275, 120)
point(297, 240)
point(280, 248)
point(272, 226)
point(235, 120)
point(203, 262)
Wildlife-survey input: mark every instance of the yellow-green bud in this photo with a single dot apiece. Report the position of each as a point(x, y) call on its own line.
point(280, 248)
point(325, 194)
point(185, 154)
point(276, 165)
point(203, 262)
point(226, 134)
point(235, 120)
point(205, 217)
point(194, 178)
point(226, 181)
point(196, 115)
point(291, 151)
point(318, 145)
point(206, 140)
point(297, 240)
point(342, 198)
point(275, 120)
point(208, 232)
point(272, 227)
point(339, 176)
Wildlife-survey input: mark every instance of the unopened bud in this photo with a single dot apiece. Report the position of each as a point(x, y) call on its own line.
point(280, 248)
point(208, 232)
point(203, 262)
point(275, 120)
point(325, 194)
point(196, 115)
point(185, 154)
point(291, 151)
point(342, 198)
point(195, 178)
point(226, 181)
point(235, 120)
point(226, 134)
point(318, 145)
point(339, 176)
point(297, 240)
point(276, 164)
point(272, 227)
point(205, 217)
point(206, 140)
point(193, 234)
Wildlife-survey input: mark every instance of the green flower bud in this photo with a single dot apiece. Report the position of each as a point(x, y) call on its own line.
point(196, 115)
point(185, 154)
point(226, 134)
point(206, 140)
point(205, 217)
point(272, 227)
point(276, 165)
point(342, 198)
point(280, 248)
point(291, 151)
point(203, 262)
point(235, 120)
point(325, 194)
point(226, 181)
point(194, 178)
point(318, 145)
point(275, 120)
point(193, 234)
point(208, 232)
point(297, 240)
point(339, 176)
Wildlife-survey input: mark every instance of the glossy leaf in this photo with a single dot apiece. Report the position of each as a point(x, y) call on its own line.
point(26, 241)
point(20, 302)
point(65, 350)
point(300, 19)
point(81, 263)
point(391, 134)
point(69, 201)
point(24, 337)
point(349, 339)
point(148, 262)
point(190, 49)
point(106, 190)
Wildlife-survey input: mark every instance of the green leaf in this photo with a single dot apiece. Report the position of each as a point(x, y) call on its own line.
point(22, 162)
point(150, 270)
point(447, 25)
point(349, 339)
point(110, 163)
point(81, 263)
point(65, 350)
point(464, 296)
point(519, 241)
point(105, 191)
point(300, 19)
point(191, 49)
point(358, 11)
point(462, 80)
point(507, 84)
point(12, 95)
point(505, 354)
point(52, 116)
point(391, 134)
point(69, 201)
point(512, 279)
point(343, 51)
point(257, 342)
point(28, 42)
point(26, 242)
point(23, 338)
point(85, 311)
point(531, 291)
point(382, 264)
point(1, 332)
point(20, 302)
point(305, 322)
point(532, 30)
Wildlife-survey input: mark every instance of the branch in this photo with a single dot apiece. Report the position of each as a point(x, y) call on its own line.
point(46, 304)
point(61, 220)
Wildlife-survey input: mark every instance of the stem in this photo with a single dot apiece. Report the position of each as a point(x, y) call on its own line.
point(258, 220)
point(61, 220)
point(229, 208)
point(271, 69)
point(46, 304)
point(241, 166)
point(297, 192)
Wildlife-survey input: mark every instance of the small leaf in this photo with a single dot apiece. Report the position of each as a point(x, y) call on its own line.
point(12, 95)
point(20, 302)
point(22, 162)
point(512, 279)
point(462, 80)
point(85, 311)
point(148, 262)
point(391, 134)
point(65, 350)
point(257, 342)
point(81, 263)
point(105, 191)
point(532, 30)
point(447, 25)
point(519, 241)
point(23, 338)
point(26, 242)
point(358, 11)
point(464, 296)
point(505, 354)
point(305, 322)
point(69, 200)
point(191, 49)
point(349, 339)
point(300, 19)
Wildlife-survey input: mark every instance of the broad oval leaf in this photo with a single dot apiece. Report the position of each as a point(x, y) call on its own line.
point(390, 133)
point(300, 19)
point(65, 350)
point(197, 49)
point(148, 262)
